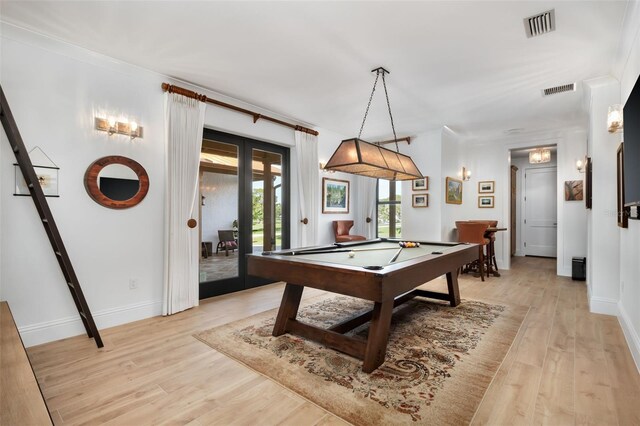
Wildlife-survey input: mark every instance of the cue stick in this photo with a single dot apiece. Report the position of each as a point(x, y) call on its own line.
point(340, 250)
point(296, 253)
point(374, 249)
point(395, 256)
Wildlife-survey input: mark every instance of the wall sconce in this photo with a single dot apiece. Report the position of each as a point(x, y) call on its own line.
point(580, 165)
point(111, 126)
point(465, 174)
point(615, 119)
point(322, 164)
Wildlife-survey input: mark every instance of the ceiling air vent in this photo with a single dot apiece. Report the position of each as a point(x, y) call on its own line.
point(540, 24)
point(559, 89)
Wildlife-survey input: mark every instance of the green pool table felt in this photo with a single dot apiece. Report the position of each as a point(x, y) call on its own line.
point(369, 257)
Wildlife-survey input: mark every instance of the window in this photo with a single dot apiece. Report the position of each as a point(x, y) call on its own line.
point(389, 209)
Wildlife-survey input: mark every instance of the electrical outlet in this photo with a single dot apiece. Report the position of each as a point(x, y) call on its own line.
point(133, 283)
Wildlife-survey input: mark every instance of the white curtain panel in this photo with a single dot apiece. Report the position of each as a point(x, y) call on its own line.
point(184, 120)
point(365, 206)
point(307, 168)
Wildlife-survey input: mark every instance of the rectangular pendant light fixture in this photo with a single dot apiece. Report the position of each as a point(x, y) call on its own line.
point(358, 157)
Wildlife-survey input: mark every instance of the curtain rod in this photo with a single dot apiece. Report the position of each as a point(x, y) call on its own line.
point(256, 116)
point(405, 139)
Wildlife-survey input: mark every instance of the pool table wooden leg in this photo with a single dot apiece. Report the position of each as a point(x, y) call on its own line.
point(378, 336)
point(452, 285)
point(288, 308)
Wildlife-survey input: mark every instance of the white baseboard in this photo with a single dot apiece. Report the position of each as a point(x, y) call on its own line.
point(564, 272)
point(601, 305)
point(36, 334)
point(630, 333)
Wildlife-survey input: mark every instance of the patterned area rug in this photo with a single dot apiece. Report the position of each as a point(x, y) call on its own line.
point(440, 360)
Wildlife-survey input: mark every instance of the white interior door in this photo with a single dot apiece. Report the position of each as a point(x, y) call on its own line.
point(540, 220)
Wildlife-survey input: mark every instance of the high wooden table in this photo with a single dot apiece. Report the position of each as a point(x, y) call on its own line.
point(493, 265)
point(368, 275)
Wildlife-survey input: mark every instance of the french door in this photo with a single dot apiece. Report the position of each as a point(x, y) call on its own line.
point(244, 192)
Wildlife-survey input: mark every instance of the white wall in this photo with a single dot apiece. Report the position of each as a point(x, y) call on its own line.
point(220, 205)
point(55, 90)
point(451, 164)
point(490, 160)
point(54, 98)
point(487, 162)
point(572, 215)
point(424, 223)
point(628, 72)
point(604, 274)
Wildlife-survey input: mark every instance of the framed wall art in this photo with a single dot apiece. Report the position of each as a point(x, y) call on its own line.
point(420, 184)
point(46, 171)
point(623, 213)
point(588, 185)
point(486, 187)
point(420, 200)
point(453, 191)
point(335, 196)
point(47, 176)
point(486, 201)
point(573, 190)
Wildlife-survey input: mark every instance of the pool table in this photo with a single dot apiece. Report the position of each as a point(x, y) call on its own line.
point(363, 269)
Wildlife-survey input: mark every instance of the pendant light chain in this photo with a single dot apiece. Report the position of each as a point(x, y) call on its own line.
point(362, 158)
point(386, 94)
point(395, 137)
point(369, 104)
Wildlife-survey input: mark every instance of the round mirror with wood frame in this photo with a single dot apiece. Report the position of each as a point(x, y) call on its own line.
point(92, 185)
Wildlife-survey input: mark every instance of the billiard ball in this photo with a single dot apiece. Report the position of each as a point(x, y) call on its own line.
point(352, 253)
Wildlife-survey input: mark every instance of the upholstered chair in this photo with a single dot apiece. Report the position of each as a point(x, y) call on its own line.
point(341, 231)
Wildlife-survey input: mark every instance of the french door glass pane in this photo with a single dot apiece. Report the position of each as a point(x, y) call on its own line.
point(389, 209)
point(266, 205)
point(218, 211)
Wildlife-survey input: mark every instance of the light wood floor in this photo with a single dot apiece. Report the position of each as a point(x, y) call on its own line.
point(566, 366)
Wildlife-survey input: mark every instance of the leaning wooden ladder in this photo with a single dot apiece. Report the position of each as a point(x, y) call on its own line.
point(30, 177)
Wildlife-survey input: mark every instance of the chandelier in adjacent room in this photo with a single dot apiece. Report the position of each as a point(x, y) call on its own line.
point(540, 155)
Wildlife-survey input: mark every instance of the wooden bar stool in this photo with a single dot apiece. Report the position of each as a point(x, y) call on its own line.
point(492, 264)
point(470, 232)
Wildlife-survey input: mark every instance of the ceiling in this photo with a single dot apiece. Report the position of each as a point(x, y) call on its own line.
point(467, 65)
